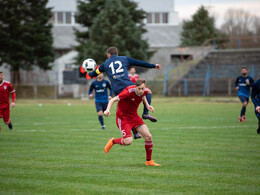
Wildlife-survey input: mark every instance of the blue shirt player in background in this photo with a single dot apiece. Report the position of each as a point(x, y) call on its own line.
point(243, 84)
point(255, 96)
point(100, 86)
point(116, 68)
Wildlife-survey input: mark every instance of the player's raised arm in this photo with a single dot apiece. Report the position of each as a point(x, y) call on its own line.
point(97, 71)
point(110, 103)
point(141, 63)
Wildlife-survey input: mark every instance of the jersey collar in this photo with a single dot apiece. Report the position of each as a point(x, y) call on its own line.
point(2, 83)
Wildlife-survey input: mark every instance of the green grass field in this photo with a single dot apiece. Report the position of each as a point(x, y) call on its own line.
point(58, 149)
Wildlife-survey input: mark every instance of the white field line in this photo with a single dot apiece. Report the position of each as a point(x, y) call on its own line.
point(51, 123)
point(43, 130)
point(209, 127)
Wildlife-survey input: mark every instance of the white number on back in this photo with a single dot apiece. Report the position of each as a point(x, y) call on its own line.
point(119, 69)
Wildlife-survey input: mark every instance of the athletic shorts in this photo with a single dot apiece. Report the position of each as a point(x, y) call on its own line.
point(258, 116)
point(101, 106)
point(243, 98)
point(5, 114)
point(125, 124)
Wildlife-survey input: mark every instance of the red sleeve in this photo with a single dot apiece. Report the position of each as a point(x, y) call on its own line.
point(13, 97)
point(11, 89)
point(124, 94)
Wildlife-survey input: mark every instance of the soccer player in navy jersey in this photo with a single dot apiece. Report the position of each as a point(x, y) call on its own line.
point(255, 96)
point(116, 69)
point(100, 86)
point(243, 84)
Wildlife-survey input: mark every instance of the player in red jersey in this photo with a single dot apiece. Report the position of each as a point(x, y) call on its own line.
point(127, 118)
point(132, 75)
point(5, 90)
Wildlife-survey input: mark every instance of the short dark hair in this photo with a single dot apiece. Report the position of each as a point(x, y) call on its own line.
point(139, 82)
point(244, 68)
point(1, 72)
point(112, 51)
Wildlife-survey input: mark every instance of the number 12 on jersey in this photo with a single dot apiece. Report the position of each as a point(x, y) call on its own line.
point(119, 69)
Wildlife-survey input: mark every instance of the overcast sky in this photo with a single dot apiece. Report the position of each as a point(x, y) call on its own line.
point(186, 8)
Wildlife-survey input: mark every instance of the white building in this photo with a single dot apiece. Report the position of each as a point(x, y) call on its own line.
point(163, 35)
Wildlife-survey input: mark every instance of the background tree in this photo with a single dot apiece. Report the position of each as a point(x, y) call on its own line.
point(199, 29)
point(88, 10)
point(239, 22)
point(25, 34)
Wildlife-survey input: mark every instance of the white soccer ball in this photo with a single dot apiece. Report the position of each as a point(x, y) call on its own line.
point(89, 65)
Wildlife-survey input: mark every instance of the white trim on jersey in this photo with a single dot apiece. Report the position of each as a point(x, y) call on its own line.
point(4, 82)
point(131, 90)
point(12, 91)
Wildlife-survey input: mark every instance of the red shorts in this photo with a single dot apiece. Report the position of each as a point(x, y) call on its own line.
point(5, 113)
point(125, 124)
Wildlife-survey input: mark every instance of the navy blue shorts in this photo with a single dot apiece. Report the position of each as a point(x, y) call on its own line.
point(101, 106)
point(258, 116)
point(243, 98)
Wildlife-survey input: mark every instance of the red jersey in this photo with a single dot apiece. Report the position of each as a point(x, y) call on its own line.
point(129, 101)
point(133, 78)
point(5, 90)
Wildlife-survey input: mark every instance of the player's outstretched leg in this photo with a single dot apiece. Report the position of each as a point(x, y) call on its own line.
point(146, 111)
point(120, 141)
point(144, 131)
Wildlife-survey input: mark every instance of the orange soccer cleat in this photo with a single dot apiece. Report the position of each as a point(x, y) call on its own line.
point(152, 163)
point(109, 145)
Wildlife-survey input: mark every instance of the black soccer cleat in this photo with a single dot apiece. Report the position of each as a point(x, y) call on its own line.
point(10, 126)
point(258, 131)
point(103, 127)
point(137, 135)
point(149, 117)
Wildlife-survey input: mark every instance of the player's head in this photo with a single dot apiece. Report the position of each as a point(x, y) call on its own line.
point(132, 70)
point(100, 77)
point(140, 86)
point(244, 71)
point(112, 51)
point(1, 76)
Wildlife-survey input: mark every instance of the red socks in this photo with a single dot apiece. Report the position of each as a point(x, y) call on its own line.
point(119, 141)
point(148, 149)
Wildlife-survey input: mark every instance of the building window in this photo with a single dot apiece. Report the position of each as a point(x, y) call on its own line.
point(149, 18)
point(157, 18)
point(165, 18)
point(63, 18)
point(68, 17)
point(60, 18)
point(52, 20)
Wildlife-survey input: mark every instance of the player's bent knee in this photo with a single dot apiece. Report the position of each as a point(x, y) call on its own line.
point(148, 137)
point(128, 141)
